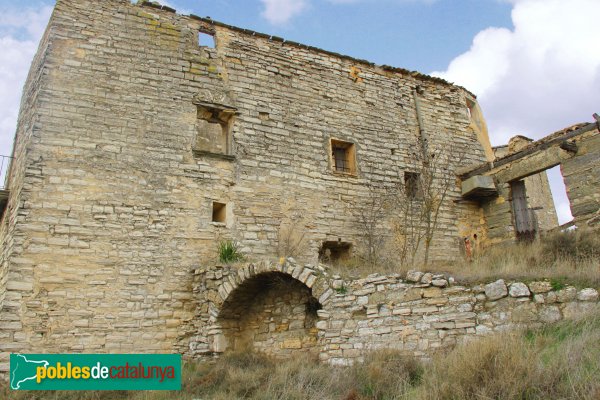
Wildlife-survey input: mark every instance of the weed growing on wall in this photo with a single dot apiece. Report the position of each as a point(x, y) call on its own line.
point(229, 252)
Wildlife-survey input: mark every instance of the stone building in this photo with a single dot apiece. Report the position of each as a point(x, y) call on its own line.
point(538, 188)
point(140, 147)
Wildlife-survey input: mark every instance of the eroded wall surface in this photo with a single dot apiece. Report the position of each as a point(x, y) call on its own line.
point(112, 204)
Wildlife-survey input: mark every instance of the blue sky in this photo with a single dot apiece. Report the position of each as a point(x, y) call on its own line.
point(534, 64)
point(413, 34)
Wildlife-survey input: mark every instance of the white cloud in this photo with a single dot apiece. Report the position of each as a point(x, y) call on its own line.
point(20, 32)
point(538, 78)
point(29, 23)
point(279, 12)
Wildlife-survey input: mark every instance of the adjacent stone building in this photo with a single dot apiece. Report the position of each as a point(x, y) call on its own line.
point(139, 148)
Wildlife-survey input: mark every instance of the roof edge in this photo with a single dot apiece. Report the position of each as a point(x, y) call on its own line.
point(384, 67)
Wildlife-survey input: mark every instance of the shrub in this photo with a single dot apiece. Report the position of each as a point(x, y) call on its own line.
point(385, 374)
point(229, 252)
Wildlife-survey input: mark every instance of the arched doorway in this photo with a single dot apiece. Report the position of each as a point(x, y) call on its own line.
point(271, 312)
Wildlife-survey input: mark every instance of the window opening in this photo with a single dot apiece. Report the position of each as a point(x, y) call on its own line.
point(219, 212)
point(343, 156)
point(206, 40)
point(470, 105)
point(214, 131)
point(332, 251)
point(412, 185)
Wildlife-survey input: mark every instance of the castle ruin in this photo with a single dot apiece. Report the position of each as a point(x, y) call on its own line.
point(139, 148)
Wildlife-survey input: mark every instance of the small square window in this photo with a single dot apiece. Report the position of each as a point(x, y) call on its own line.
point(206, 40)
point(219, 212)
point(412, 185)
point(343, 157)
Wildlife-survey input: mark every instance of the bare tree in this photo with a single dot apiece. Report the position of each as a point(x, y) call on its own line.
point(291, 236)
point(371, 217)
point(419, 200)
point(402, 219)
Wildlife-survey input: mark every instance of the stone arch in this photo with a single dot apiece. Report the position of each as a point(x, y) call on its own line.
point(270, 308)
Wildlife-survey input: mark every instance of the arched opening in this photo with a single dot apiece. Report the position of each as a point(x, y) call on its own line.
point(272, 313)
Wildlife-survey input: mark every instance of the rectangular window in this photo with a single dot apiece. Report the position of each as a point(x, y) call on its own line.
point(214, 128)
point(412, 185)
point(206, 40)
point(332, 251)
point(219, 212)
point(343, 156)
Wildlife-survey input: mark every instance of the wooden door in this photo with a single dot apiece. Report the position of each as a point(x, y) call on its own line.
point(524, 221)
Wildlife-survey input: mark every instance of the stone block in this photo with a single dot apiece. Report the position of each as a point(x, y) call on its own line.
point(540, 287)
point(427, 278)
point(526, 312)
point(414, 276)
point(496, 290)
point(439, 283)
point(519, 289)
point(432, 292)
point(588, 294)
point(567, 294)
point(550, 314)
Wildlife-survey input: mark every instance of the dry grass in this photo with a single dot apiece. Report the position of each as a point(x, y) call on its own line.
point(560, 361)
point(568, 257)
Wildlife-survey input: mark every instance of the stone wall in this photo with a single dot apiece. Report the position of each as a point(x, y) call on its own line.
point(16, 270)
point(576, 149)
point(423, 317)
point(111, 204)
point(419, 313)
point(539, 196)
point(582, 178)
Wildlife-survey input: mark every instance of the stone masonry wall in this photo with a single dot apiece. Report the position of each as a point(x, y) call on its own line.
point(582, 179)
point(15, 269)
point(111, 207)
point(539, 196)
point(418, 314)
point(580, 170)
point(423, 313)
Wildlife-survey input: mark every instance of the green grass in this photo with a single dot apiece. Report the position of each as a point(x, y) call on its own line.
point(229, 252)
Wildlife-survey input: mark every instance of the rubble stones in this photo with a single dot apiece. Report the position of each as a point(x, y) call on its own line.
point(414, 276)
point(588, 295)
point(519, 289)
point(496, 290)
point(540, 287)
